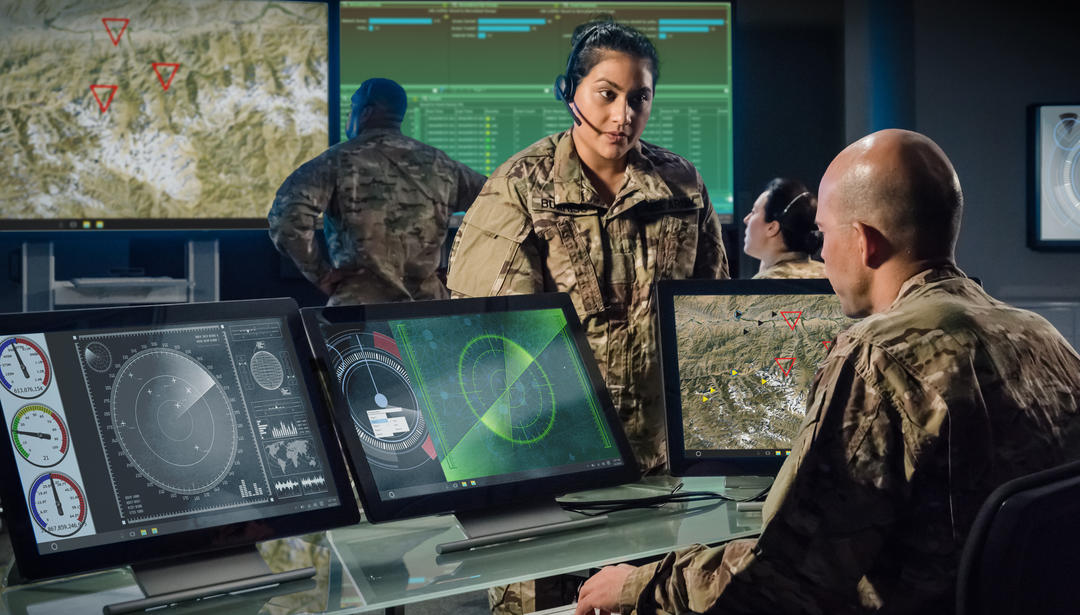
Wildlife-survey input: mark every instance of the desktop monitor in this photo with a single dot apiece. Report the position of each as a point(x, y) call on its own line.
point(480, 75)
point(479, 407)
point(149, 435)
point(738, 359)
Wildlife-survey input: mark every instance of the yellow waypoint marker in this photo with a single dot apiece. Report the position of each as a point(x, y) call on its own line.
point(734, 373)
point(762, 381)
point(712, 390)
point(703, 398)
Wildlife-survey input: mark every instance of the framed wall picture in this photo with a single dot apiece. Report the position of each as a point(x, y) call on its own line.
point(1054, 177)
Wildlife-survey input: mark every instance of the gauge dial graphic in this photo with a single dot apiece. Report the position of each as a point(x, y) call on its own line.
point(174, 421)
point(39, 435)
point(24, 369)
point(381, 400)
point(57, 504)
point(507, 389)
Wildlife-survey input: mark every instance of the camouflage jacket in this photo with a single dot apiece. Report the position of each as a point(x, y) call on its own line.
point(794, 265)
point(386, 201)
point(539, 226)
point(915, 416)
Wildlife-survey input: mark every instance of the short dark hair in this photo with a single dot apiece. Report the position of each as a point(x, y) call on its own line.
point(385, 95)
point(790, 203)
point(607, 34)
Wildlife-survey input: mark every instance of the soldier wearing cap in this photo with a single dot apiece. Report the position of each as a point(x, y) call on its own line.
point(386, 200)
point(937, 396)
point(597, 213)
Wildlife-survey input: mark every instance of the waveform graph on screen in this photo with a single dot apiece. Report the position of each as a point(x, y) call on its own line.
point(157, 111)
point(504, 392)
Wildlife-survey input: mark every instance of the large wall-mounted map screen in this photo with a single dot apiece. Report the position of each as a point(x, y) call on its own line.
point(174, 114)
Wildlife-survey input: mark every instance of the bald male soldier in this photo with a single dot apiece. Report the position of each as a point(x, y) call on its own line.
point(939, 395)
point(386, 200)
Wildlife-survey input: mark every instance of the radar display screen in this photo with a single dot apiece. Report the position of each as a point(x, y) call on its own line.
point(745, 365)
point(125, 433)
point(461, 401)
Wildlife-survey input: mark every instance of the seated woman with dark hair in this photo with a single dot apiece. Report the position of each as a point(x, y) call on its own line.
point(781, 233)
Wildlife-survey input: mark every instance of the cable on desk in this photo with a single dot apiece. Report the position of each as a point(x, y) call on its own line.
point(592, 508)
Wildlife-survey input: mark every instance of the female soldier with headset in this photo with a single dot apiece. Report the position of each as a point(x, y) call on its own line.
point(780, 231)
point(597, 213)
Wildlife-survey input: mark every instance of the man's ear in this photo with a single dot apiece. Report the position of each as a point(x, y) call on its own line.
point(874, 247)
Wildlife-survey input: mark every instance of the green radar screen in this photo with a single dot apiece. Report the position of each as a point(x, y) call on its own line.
point(504, 392)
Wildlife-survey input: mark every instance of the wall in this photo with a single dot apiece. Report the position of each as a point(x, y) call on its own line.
point(789, 97)
point(977, 67)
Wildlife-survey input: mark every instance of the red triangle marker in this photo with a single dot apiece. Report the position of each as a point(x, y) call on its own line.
point(165, 83)
point(826, 342)
point(115, 37)
point(104, 106)
point(792, 323)
point(787, 371)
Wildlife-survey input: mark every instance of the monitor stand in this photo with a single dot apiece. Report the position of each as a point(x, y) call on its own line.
point(202, 576)
point(514, 522)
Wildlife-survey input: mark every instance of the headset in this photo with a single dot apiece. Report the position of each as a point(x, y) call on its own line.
point(783, 213)
point(564, 84)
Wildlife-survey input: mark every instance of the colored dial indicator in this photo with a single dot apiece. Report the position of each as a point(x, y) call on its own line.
point(24, 368)
point(57, 504)
point(39, 435)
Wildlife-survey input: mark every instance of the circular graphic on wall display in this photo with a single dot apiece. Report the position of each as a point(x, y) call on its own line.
point(1062, 179)
point(39, 435)
point(24, 369)
point(507, 389)
point(174, 421)
point(381, 400)
point(267, 371)
point(57, 504)
point(97, 357)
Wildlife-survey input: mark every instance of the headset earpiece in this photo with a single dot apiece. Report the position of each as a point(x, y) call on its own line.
point(564, 83)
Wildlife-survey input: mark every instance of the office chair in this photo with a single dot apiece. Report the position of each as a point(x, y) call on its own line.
point(1023, 552)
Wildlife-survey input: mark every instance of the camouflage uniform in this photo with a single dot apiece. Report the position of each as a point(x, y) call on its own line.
point(915, 416)
point(387, 200)
point(539, 226)
point(793, 266)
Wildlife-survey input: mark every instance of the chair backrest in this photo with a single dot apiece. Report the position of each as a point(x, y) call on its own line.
point(1023, 552)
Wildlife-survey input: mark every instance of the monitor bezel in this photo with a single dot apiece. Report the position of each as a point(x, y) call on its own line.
point(680, 462)
point(475, 498)
point(33, 565)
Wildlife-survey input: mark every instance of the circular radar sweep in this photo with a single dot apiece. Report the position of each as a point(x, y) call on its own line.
point(507, 389)
point(97, 357)
point(174, 421)
point(1062, 172)
point(381, 400)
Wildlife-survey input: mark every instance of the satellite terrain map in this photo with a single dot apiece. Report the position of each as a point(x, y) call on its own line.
point(746, 364)
point(157, 109)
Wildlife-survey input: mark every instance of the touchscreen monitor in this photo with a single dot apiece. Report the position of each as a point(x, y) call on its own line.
point(153, 432)
point(739, 357)
point(451, 406)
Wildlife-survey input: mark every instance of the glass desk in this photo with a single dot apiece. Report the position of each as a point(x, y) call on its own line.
point(367, 567)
